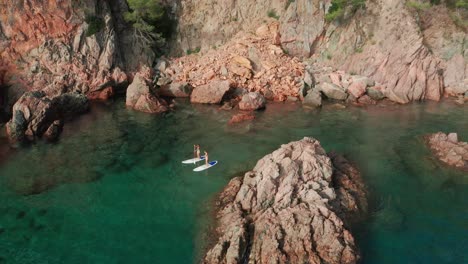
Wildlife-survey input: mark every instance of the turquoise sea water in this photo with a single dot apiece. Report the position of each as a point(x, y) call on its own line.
point(112, 190)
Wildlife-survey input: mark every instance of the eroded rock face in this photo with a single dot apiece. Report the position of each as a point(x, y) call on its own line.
point(141, 95)
point(449, 150)
point(34, 113)
point(412, 57)
point(290, 209)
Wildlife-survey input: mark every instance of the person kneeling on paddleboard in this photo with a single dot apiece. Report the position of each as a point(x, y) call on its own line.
point(206, 158)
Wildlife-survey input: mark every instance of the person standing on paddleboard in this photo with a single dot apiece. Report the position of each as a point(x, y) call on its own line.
point(198, 151)
point(206, 158)
point(194, 151)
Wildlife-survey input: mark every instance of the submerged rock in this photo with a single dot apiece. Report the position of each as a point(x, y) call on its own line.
point(449, 150)
point(241, 117)
point(290, 209)
point(252, 101)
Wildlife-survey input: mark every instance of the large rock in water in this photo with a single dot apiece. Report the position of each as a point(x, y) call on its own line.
point(34, 113)
point(449, 150)
point(333, 91)
point(211, 93)
point(290, 209)
point(252, 101)
point(140, 94)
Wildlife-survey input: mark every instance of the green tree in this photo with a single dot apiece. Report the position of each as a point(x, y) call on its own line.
point(145, 15)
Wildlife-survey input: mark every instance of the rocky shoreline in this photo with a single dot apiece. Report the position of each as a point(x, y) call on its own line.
point(449, 150)
point(293, 207)
point(295, 55)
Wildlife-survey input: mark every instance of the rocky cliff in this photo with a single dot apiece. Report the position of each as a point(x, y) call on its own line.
point(293, 207)
point(59, 47)
point(412, 54)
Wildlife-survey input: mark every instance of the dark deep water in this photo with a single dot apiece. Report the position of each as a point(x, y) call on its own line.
point(113, 189)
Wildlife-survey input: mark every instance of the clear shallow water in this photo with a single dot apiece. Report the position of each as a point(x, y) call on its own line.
point(113, 189)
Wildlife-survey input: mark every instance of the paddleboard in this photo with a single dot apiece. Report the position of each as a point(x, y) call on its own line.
point(194, 160)
point(206, 166)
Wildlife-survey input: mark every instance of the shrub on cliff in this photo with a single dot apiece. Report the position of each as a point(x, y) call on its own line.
point(340, 8)
point(150, 22)
point(95, 24)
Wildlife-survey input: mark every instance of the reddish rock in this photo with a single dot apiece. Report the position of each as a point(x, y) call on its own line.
point(252, 101)
point(449, 150)
point(211, 93)
point(102, 95)
point(291, 208)
point(241, 117)
point(357, 88)
point(256, 63)
point(366, 100)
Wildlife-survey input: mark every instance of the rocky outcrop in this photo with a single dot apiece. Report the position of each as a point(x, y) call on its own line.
point(291, 208)
point(35, 113)
point(211, 93)
point(449, 150)
point(252, 101)
point(53, 42)
point(141, 95)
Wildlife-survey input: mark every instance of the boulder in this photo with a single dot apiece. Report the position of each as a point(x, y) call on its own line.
point(211, 93)
point(313, 99)
point(52, 133)
point(357, 88)
point(333, 91)
point(252, 101)
point(375, 92)
point(175, 90)
point(140, 96)
point(293, 207)
point(34, 113)
point(449, 150)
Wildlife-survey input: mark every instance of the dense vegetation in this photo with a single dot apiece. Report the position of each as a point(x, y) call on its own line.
point(340, 9)
point(150, 22)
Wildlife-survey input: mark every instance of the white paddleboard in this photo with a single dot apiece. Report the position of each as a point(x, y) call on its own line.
point(194, 160)
point(206, 166)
